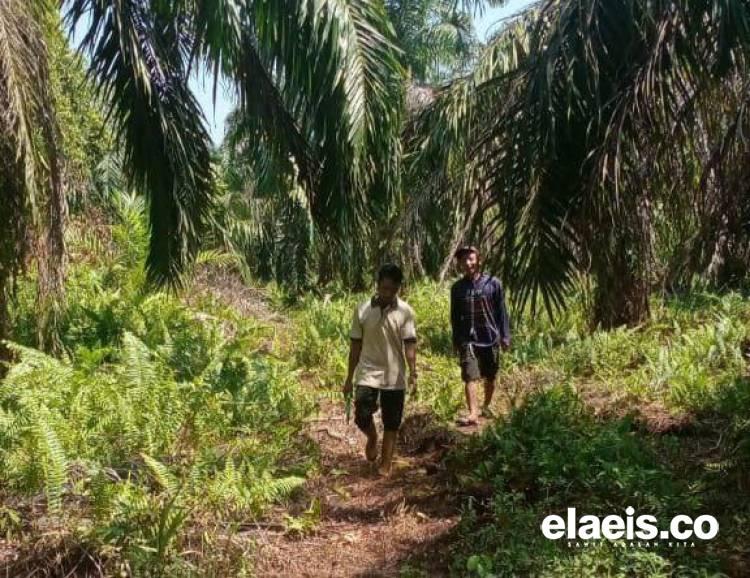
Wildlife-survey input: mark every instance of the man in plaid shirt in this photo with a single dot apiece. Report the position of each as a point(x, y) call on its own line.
point(480, 324)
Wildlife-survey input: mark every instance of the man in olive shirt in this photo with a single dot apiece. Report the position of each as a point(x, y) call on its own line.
point(382, 334)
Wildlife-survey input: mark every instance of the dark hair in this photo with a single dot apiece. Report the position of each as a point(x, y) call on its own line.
point(464, 250)
point(392, 272)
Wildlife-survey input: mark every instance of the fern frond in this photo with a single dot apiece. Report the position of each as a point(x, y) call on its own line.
point(54, 462)
point(139, 367)
point(281, 488)
point(216, 257)
point(33, 362)
point(162, 475)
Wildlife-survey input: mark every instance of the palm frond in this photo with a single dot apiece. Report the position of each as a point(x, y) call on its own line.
point(317, 81)
point(31, 171)
point(139, 59)
point(578, 127)
point(444, 141)
point(23, 79)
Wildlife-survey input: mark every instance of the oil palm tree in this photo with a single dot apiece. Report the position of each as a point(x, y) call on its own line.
point(317, 81)
point(437, 37)
point(31, 182)
point(593, 105)
point(263, 217)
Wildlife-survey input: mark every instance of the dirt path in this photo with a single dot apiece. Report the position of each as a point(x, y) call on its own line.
point(369, 526)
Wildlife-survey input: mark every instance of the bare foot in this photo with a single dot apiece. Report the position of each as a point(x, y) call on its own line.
point(384, 470)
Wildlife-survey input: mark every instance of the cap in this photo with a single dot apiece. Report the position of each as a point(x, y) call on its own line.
point(465, 249)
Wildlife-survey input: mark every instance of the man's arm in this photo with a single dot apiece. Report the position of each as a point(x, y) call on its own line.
point(355, 348)
point(410, 351)
point(455, 317)
point(409, 337)
point(501, 315)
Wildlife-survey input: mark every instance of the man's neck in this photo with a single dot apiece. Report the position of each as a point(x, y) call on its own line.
point(382, 303)
point(473, 276)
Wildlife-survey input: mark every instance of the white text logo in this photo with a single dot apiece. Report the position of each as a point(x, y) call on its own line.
point(614, 527)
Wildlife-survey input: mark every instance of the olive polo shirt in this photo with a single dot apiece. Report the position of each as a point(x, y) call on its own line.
point(383, 332)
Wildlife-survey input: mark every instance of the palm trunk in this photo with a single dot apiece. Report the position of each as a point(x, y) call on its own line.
point(416, 258)
point(621, 266)
point(13, 236)
point(4, 322)
point(325, 266)
point(458, 237)
point(621, 296)
point(51, 257)
point(728, 264)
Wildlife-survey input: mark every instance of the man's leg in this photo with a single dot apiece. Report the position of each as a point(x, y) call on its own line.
point(489, 391)
point(488, 367)
point(470, 389)
point(471, 377)
point(366, 404)
point(392, 411)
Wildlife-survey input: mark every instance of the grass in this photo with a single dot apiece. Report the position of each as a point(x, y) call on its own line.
point(168, 424)
point(161, 429)
point(552, 454)
point(683, 358)
point(554, 449)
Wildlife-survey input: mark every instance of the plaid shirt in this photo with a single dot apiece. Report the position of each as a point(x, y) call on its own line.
point(478, 313)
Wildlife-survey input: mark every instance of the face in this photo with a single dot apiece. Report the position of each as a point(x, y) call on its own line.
point(468, 263)
point(387, 290)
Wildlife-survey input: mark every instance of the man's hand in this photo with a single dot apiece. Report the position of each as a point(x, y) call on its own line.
point(348, 387)
point(505, 344)
point(413, 382)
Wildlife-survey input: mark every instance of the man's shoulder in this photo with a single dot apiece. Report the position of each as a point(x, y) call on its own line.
point(458, 283)
point(362, 306)
point(494, 280)
point(404, 306)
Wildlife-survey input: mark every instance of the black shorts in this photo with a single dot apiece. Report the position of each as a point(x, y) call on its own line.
point(479, 362)
point(366, 404)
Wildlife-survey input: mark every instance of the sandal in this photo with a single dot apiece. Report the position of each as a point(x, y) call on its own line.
point(487, 413)
point(466, 422)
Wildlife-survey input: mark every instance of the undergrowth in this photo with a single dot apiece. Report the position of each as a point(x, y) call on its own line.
point(160, 429)
point(553, 451)
point(165, 426)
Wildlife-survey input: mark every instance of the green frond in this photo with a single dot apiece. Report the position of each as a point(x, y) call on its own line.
point(216, 257)
point(552, 134)
point(35, 364)
point(139, 366)
point(280, 488)
point(54, 461)
point(23, 78)
point(138, 57)
point(319, 82)
point(162, 475)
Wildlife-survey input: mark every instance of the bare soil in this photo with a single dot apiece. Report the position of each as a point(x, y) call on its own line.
point(369, 525)
point(372, 527)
